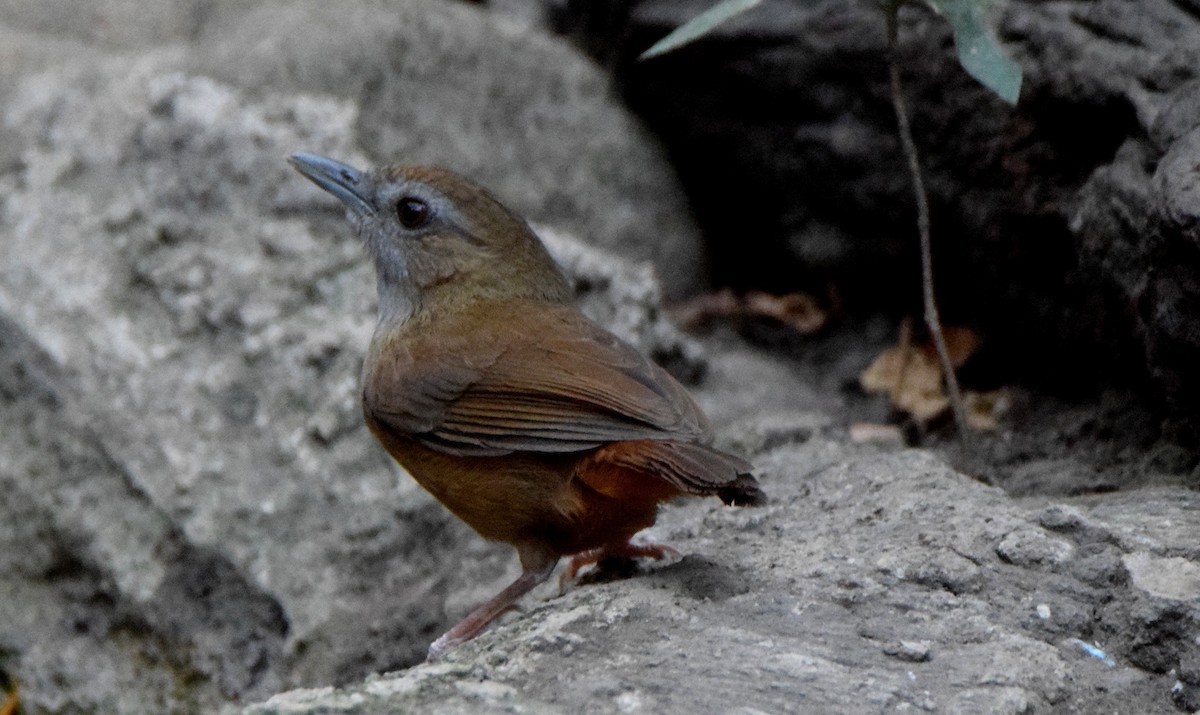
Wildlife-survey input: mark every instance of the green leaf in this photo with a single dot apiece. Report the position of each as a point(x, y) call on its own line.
point(699, 26)
point(979, 52)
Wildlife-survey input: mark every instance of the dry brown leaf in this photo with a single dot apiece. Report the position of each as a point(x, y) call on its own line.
point(961, 344)
point(885, 372)
point(984, 409)
point(911, 379)
point(798, 311)
point(702, 310)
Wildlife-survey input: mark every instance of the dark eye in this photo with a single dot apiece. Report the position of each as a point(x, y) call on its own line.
point(412, 212)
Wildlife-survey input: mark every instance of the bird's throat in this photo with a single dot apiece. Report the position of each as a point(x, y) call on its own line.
point(398, 296)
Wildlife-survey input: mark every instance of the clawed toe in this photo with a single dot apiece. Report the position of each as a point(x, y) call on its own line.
point(604, 557)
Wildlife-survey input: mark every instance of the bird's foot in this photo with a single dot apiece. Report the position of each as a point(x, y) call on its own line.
point(537, 568)
point(617, 558)
point(439, 648)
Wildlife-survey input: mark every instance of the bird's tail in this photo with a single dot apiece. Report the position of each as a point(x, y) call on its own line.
point(690, 468)
point(744, 491)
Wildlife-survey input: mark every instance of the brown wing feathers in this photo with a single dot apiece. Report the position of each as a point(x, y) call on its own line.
point(560, 385)
point(553, 383)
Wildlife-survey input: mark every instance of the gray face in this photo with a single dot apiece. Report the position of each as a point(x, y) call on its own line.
point(384, 209)
point(424, 225)
point(388, 217)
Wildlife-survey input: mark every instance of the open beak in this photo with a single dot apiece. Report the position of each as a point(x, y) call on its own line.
point(350, 185)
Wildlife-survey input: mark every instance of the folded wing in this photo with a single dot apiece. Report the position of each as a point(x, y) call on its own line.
point(547, 380)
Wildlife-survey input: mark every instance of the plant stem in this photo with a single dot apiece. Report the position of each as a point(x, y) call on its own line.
point(932, 321)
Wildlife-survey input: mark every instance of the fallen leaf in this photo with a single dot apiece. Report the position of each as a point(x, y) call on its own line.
point(984, 409)
point(798, 311)
point(706, 308)
point(961, 344)
point(911, 379)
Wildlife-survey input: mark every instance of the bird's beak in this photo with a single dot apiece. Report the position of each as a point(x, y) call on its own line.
point(350, 185)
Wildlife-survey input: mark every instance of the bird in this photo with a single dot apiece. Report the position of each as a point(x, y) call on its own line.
point(483, 380)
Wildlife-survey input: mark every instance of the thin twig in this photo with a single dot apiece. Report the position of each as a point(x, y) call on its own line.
point(905, 345)
point(932, 321)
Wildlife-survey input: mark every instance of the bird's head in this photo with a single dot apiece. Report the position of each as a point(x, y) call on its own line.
point(436, 238)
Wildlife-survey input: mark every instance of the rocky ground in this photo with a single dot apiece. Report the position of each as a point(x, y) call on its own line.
point(876, 581)
point(194, 519)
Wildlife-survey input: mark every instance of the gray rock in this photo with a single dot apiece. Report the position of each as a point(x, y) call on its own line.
point(1169, 577)
point(1032, 547)
point(626, 297)
point(1064, 228)
point(194, 519)
point(111, 24)
point(515, 109)
point(911, 651)
point(193, 511)
point(822, 601)
point(434, 82)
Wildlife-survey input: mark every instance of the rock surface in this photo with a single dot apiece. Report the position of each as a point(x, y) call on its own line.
point(194, 519)
point(873, 582)
point(424, 82)
point(193, 512)
point(1065, 228)
point(443, 83)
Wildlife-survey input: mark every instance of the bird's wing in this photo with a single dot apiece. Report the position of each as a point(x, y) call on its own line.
point(542, 380)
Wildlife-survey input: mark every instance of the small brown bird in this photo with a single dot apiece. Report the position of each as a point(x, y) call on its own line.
point(525, 419)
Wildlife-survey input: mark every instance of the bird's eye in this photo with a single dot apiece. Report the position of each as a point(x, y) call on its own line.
point(412, 212)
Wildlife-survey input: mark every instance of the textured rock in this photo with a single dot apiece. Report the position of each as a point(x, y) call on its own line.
point(627, 298)
point(1064, 228)
point(193, 517)
point(873, 581)
point(193, 511)
point(435, 82)
point(515, 109)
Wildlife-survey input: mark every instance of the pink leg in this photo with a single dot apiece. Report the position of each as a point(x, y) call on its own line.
point(537, 568)
point(627, 550)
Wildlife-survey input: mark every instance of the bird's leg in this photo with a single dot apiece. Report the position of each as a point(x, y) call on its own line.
point(627, 550)
point(537, 567)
